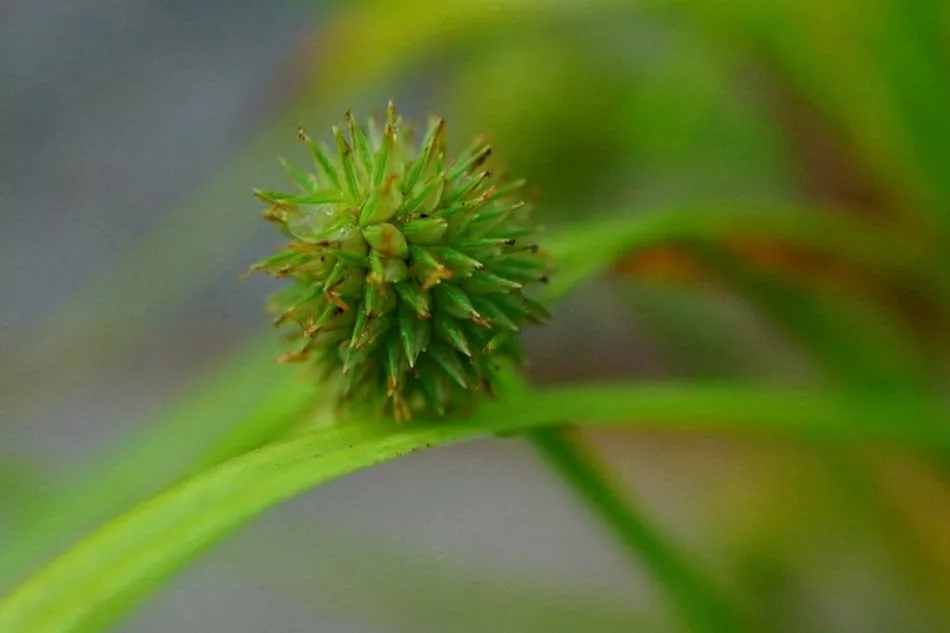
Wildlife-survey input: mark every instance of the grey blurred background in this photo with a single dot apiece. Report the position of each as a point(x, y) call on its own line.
point(112, 112)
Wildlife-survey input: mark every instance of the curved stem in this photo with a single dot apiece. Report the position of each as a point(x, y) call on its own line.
point(694, 597)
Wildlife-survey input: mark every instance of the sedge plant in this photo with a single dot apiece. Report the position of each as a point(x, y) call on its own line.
point(409, 270)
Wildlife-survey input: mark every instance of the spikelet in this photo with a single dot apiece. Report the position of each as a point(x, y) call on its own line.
point(408, 272)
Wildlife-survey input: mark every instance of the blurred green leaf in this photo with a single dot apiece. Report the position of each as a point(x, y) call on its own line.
point(732, 343)
point(874, 69)
point(851, 338)
point(852, 341)
point(695, 598)
point(590, 248)
point(380, 38)
point(129, 555)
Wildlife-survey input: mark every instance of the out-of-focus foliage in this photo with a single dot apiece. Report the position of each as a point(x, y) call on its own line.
point(764, 185)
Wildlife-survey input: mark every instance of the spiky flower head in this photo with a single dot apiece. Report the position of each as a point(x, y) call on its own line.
point(408, 271)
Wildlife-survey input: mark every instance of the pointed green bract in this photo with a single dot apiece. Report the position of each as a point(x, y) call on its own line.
point(304, 181)
point(415, 298)
point(494, 314)
point(427, 269)
point(376, 268)
point(283, 199)
point(458, 262)
point(454, 301)
point(372, 299)
point(395, 270)
point(407, 269)
point(449, 361)
point(466, 190)
point(320, 159)
point(360, 144)
point(346, 160)
point(393, 367)
point(428, 148)
point(407, 334)
point(381, 162)
point(425, 232)
point(425, 200)
point(450, 331)
point(382, 204)
point(485, 281)
point(387, 240)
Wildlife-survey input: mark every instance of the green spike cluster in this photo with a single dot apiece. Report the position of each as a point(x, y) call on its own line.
point(408, 272)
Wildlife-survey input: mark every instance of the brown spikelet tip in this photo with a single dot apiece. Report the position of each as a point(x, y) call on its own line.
point(401, 410)
point(292, 357)
point(311, 328)
point(483, 156)
point(337, 300)
point(303, 248)
point(443, 272)
point(271, 216)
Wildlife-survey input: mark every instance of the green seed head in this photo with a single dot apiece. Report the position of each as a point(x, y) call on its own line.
point(408, 270)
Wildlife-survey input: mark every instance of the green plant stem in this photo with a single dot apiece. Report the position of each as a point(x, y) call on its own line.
point(690, 593)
